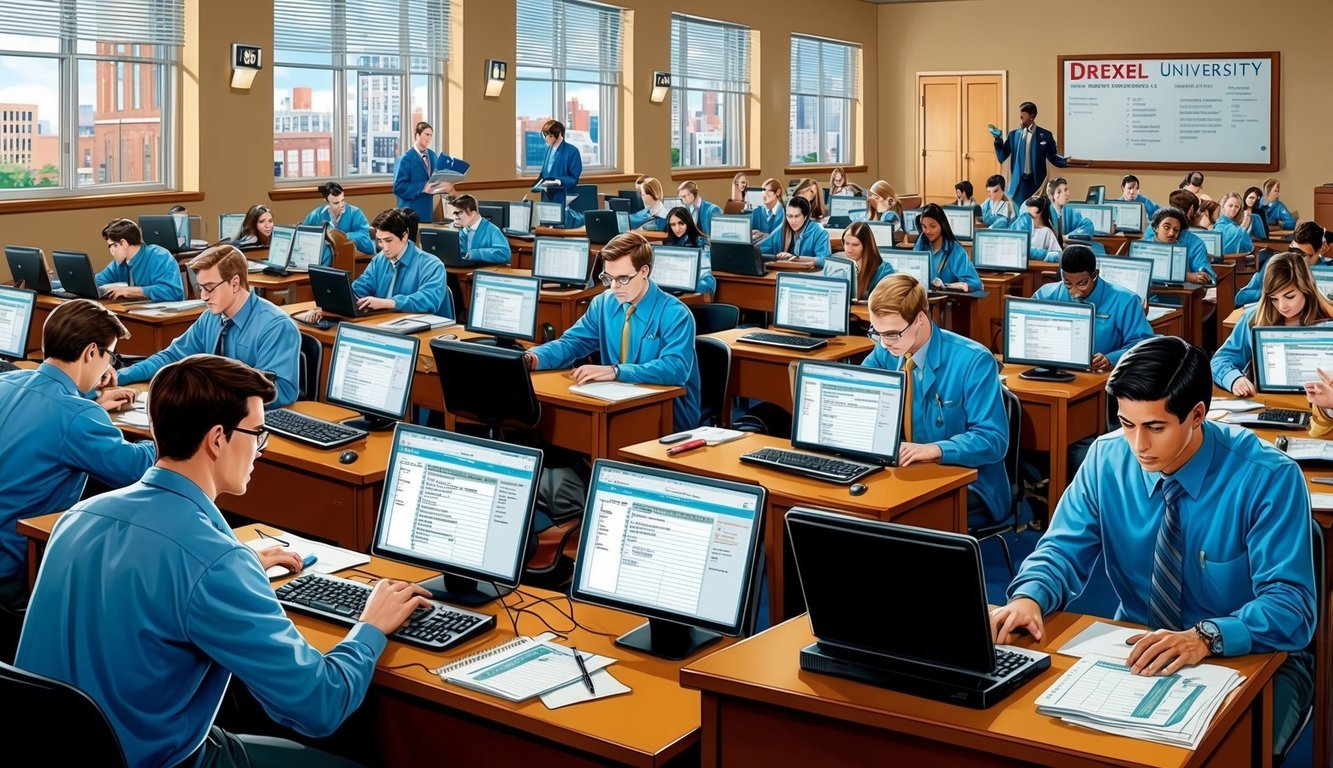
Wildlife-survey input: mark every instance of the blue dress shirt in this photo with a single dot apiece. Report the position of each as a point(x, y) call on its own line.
point(486, 245)
point(1234, 238)
point(652, 219)
point(353, 223)
point(262, 336)
point(950, 264)
point(1245, 522)
point(420, 286)
point(154, 270)
point(54, 439)
point(154, 637)
point(1119, 320)
point(1236, 356)
point(812, 241)
point(764, 220)
point(703, 212)
point(997, 216)
point(661, 346)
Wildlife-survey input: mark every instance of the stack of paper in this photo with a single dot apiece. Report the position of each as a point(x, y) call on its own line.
point(534, 666)
point(415, 323)
point(167, 307)
point(613, 391)
point(1309, 449)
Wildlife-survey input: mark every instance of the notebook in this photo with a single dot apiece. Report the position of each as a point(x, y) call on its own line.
point(522, 668)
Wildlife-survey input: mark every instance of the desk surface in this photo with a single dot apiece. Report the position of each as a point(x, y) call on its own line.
point(837, 348)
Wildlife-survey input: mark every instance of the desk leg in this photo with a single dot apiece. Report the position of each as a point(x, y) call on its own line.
point(1059, 455)
point(775, 553)
point(710, 727)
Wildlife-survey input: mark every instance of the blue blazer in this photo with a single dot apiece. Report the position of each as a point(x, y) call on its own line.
point(409, 179)
point(997, 219)
point(487, 246)
point(1043, 150)
point(353, 222)
point(951, 264)
point(761, 221)
point(812, 241)
point(566, 165)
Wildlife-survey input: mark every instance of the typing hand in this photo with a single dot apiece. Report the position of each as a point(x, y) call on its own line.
point(279, 555)
point(586, 373)
point(310, 315)
point(116, 399)
point(1320, 391)
point(124, 292)
point(391, 602)
point(373, 302)
point(1165, 652)
point(1242, 387)
point(1100, 364)
point(918, 453)
point(1199, 278)
point(1022, 613)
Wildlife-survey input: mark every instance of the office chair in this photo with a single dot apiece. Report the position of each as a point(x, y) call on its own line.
point(1281, 751)
point(711, 318)
point(714, 357)
point(1013, 411)
point(344, 250)
point(311, 363)
point(61, 721)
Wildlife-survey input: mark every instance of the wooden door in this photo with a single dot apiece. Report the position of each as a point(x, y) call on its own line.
point(941, 141)
point(983, 105)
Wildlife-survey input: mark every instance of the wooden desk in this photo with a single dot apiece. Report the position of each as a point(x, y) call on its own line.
point(1055, 414)
point(989, 314)
point(926, 495)
point(297, 284)
point(746, 291)
point(1226, 298)
point(1229, 324)
point(759, 708)
point(759, 371)
point(1191, 302)
point(148, 333)
point(1043, 272)
point(1170, 324)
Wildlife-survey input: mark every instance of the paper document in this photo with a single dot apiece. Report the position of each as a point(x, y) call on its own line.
point(1236, 406)
point(1321, 500)
point(446, 175)
point(167, 307)
point(1101, 639)
point(1156, 312)
point(524, 668)
point(330, 559)
point(575, 693)
point(1309, 449)
point(716, 435)
point(415, 323)
point(613, 391)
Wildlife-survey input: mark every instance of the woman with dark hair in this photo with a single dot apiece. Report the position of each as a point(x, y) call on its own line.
point(858, 245)
point(683, 232)
point(1045, 244)
point(798, 237)
point(950, 268)
point(810, 190)
point(256, 227)
point(1252, 212)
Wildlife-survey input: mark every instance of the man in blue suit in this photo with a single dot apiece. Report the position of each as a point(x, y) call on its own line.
point(411, 177)
point(1031, 146)
point(563, 164)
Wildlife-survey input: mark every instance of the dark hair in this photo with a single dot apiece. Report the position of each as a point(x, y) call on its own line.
point(1183, 200)
point(391, 221)
point(553, 128)
point(420, 127)
point(1127, 178)
point(1043, 206)
point(995, 180)
point(1166, 212)
point(329, 189)
point(250, 224)
point(191, 396)
point(1194, 178)
point(75, 324)
point(965, 187)
point(1163, 368)
point(1310, 233)
point(175, 209)
point(870, 257)
point(1077, 260)
point(465, 203)
point(122, 229)
point(1258, 199)
point(1028, 107)
point(693, 237)
point(1328, 236)
point(413, 221)
point(934, 212)
point(632, 244)
point(789, 234)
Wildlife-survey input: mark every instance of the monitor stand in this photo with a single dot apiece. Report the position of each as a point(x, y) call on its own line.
point(371, 423)
point(503, 342)
point(1046, 374)
point(667, 639)
point(458, 590)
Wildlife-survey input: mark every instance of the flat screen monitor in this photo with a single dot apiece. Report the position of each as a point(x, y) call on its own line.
point(883, 232)
point(730, 229)
point(504, 306)
point(676, 269)
point(460, 505)
point(280, 248)
point(1287, 357)
point(813, 304)
point(672, 202)
point(1323, 278)
point(754, 198)
point(307, 248)
point(849, 410)
point(371, 371)
point(229, 225)
point(550, 214)
point(1001, 250)
point(914, 263)
point(495, 212)
point(961, 219)
point(520, 217)
point(27, 265)
point(1212, 242)
point(1134, 275)
point(16, 307)
point(561, 260)
point(1096, 194)
point(1129, 215)
point(910, 217)
point(1055, 336)
point(1169, 260)
point(677, 548)
point(841, 268)
point(842, 206)
point(622, 222)
point(1101, 216)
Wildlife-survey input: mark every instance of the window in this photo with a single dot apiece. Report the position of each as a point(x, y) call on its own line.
point(567, 67)
point(824, 77)
point(65, 62)
point(710, 80)
point(351, 79)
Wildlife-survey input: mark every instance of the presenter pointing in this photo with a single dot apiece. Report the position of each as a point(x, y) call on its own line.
point(1030, 146)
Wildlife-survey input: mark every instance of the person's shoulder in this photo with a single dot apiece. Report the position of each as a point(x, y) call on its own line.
point(1048, 291)
point(272, 312)
point(1242, 444)
point(158, 252)
point(965, 349)
point(1119, 294)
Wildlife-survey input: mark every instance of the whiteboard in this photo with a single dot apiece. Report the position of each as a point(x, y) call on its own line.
point(1195, 111)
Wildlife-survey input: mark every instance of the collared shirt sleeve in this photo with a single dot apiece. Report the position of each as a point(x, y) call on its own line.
point(489, 245)
point(570, 169)
point(1230, 361)
point(354, 223)
point(677, 358)
point(961, 267)
point(159, 276)
point(1133, 326)
point(1198, 257)
point(582, 338)
point(111, 273)
point(192, 342)
point(985, 437)
point(818, 243)
point(92, 443)
point(429, 293)
point(279, 350)
point(367, 284)
point(771, 245)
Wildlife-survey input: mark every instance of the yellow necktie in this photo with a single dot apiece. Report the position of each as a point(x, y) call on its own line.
point(909, 365)
point(624, 335)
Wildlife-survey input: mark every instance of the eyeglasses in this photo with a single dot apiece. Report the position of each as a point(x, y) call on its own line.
point(889, 336)
point(116, 360)
point(208, 288)
point(621, 280)
point(260, 435)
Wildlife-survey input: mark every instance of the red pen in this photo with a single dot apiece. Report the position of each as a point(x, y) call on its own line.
point(688, 445)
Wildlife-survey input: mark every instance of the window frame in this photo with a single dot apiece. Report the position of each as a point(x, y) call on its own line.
point(822, 98)
point(735, 99)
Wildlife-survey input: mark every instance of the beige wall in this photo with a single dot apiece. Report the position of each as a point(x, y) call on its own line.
point(988, 34)
point(227, 138)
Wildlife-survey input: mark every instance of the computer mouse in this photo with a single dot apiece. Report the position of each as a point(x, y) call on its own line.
point(448, 337)
point(347, 457)
point(1281, 442)
point(857, 489)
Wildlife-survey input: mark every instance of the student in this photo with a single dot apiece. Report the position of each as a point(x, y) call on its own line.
point(997, 210)
point(1193, 182)
point(238, 324)
point(164, 605)
point(682, 231)
point(1234, 237)
point(1209, 211)
point(1203, 529)
point(1171, 225)
point(342, 216)
point(652, 217)
point(799, 236)
point(1119, 320)
point(55, 437)
point(401, 278)
point(411, 177)
point(148, 271)
point(702, 210)
point(809, 189)
point(883, 203)
point(256, 227)
point(1045, 244)
point(1252, 219)
point(740, 184)
point(1307, 240)
point(1275, 211)
point(837, 183)
point(950, 267)
point(768, 217)
point(858, 244)
point(956, 412)
point(563, 164)
point(962, 193)
point(655, 326)
point(1320, 394)
point(1067, 222)
point(1290, 297)
point(1129, 192)
point(1030, 146)
point(479, 240)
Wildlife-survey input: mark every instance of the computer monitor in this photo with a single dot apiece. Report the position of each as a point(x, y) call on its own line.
point(1323, 278)
point(371, 372)
point(16, 309)
point(910, 217)
point(842, 206)
point(307, 248)
point(914, 263)
point(884, 232)
point(672, 202)
point(27, 265)
point(1129, 215)
point(561, 260)
point(849, 410)
point(813, 304)
point(460, 505)
point(504, 306)
point(1101, 216)
point(754, 198)
point(496, 212)
point(841, 268)
point(75, 271)
point(622, 222)
point(1212, 242)
point(632, 197)
point(677, 548)
point(618, 204)
point(730, 229)
point(676, 269)
point(1286, 357)
point(550, 214)
point(485, 384)
point(229, 225)
point(961, 220)
point(1134, 275)
point(163, 231)
point(1055, 336)
point(520, 216)
point(1096, 194)
point(1169, 260)
point(280, 248)
point(1001, 250)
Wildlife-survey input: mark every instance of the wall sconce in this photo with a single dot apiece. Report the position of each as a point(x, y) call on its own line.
point(496, 73)
point(246, 61)
point(661, 84)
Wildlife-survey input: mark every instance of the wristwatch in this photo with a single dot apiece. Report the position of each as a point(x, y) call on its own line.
point(1212, 636)
point(615, 369)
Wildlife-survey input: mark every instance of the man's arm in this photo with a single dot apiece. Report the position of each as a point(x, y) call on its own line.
point(489, 246)
point(430, 288)
point(358, 230)
point(985, 437)
point(162, 278)
point(96, 446)
point(192, 342)
point(582, 338)
point(279, 351)
point(1133, 322)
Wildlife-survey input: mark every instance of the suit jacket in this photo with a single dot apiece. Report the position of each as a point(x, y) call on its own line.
point(410, 177)
point(1043, 150)
point(567, 166)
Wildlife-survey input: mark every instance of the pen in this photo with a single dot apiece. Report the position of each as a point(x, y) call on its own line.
point(688, 445)
point(583, 670)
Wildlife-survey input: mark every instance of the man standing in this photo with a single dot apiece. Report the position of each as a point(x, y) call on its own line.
point(1030, 146)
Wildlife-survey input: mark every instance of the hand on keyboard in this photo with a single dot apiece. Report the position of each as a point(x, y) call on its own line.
point(392, 602)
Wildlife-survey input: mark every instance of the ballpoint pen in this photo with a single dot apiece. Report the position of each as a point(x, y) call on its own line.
point(583, 670)
point(688, 445)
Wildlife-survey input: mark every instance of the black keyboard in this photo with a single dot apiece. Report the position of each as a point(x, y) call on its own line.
point(323, 323)
point(810, 465)
point(1284, 416)
point(342, 600)
point(1008, 662)
point(784, 340)
point(310, 430)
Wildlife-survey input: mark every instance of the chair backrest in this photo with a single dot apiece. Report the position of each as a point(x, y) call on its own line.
point(1013, 411)
point(587, 199)
point(732, 207)
point(344, 250)
point(714, 376)
point(59, 720)
point(711, 318)
point(312, 362)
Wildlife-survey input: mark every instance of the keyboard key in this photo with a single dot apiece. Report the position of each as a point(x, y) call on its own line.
point(310, 430)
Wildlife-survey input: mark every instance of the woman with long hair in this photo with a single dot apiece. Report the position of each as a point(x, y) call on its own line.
point(682, 231)
point(256, 227)
point(814, 194)
point(950, 268)
point(858, 245)
point(1229, 215)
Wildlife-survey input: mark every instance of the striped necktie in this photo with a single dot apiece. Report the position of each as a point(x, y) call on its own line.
point(909, 365)
point(1168, 565)
point(624, 335)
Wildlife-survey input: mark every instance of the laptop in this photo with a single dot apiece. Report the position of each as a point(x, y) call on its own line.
point(737, 258)
point(76, 274)
point(519, 222)
point(1129, 215)
point(956, 661)
point(28, 267)
point(333, 292)
point(163, 231)
point(445, 246)
point(601, 226)
point(279, 250)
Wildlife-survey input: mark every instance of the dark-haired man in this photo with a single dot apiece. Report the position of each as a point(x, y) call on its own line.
point(1120, 321)
point(145, 271)
point(401, 278)
point(997, 210)
point(1030, 146)
point(479, 241)
point(341, 215)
